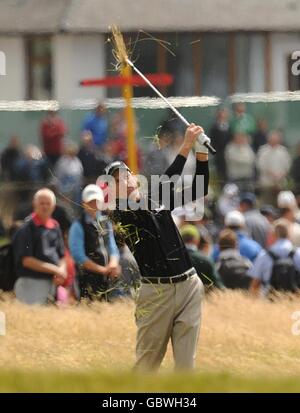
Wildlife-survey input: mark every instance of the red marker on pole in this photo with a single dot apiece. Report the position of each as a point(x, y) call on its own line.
point(158, 79)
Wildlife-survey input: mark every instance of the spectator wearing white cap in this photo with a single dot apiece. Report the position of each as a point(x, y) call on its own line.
point(93, 247)
point(286, 199)
point(229, 199)
point(248, 248)
point(289, 213)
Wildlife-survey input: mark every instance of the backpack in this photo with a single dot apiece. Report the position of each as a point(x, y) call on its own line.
point(284, 275)
point(233, 269)
point(8, 274)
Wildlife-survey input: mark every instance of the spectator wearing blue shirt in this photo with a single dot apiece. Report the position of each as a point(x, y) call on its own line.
point(258, 227)
point(97, 124)
point(93, 247)
point(261, 271)
point(248, 248)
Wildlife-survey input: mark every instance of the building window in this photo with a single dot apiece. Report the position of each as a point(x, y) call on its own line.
point(203, 63)
point(145, 58)
point(293, 79)
point(150, 56)
point(39, 68)
point(181, 64)
point(215, 65)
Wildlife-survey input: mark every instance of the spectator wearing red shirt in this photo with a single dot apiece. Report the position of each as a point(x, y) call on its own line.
point(52, 131)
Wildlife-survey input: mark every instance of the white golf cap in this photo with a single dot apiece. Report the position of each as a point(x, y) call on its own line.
point(230, 190)
point(234, 219)
point(91, 193)
point(286, 199)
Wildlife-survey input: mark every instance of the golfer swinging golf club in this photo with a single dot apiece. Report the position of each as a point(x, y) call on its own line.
point(169, 299)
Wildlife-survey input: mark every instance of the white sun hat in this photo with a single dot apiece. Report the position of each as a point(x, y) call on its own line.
point(92, 192)
point(234, 219)
point(286, 199)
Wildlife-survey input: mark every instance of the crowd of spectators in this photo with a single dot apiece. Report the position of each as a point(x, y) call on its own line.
point(248, 237)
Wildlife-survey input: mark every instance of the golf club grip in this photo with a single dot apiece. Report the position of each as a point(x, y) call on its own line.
point(210, 148)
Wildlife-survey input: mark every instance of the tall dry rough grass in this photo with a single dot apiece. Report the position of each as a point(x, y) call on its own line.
point(239, 335)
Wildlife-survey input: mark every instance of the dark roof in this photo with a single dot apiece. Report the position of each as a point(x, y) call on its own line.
point(90, 16)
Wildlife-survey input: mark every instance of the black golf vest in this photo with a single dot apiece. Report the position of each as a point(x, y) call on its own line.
point(96, 236)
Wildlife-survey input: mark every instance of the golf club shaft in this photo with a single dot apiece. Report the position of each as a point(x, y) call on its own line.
point(177, 113)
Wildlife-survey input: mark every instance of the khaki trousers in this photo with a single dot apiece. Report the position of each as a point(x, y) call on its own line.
point(165, 311)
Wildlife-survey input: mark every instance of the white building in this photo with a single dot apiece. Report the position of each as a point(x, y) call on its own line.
point(221, 47)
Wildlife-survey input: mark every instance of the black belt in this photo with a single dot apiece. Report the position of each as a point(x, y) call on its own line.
point(170, 280)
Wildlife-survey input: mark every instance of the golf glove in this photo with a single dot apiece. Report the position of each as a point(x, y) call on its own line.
point(200, 143)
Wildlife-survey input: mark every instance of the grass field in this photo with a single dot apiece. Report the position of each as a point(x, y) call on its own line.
point(245, 345)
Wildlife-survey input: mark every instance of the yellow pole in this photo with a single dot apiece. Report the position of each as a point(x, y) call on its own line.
point(127, 92)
